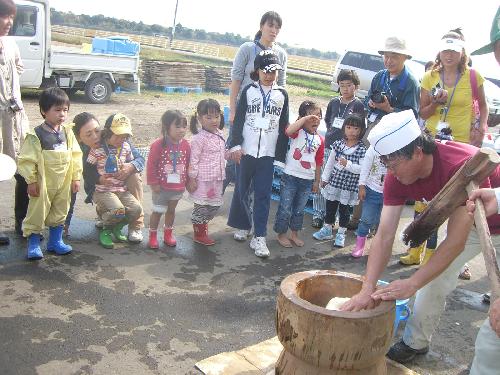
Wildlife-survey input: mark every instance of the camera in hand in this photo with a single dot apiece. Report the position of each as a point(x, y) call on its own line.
point(377, 96)
point(436, 91)
point(14, 105)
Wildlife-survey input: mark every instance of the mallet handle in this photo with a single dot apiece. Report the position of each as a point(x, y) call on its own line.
point(487, 247)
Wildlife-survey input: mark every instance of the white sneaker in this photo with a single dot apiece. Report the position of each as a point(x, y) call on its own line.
point(99, 223)
point(242, 234)
point(135, 236)
point(258, 244)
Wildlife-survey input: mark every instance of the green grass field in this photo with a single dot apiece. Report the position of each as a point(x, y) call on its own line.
point(315, 87)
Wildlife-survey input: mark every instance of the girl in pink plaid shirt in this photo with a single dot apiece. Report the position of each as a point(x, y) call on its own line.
point(206, 167)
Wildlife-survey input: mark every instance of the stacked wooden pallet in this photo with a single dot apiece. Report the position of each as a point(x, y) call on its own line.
point(218, 78)
point(174, 74)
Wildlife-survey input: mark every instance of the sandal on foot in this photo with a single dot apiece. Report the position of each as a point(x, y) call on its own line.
point(285, 243)
point(296, 241)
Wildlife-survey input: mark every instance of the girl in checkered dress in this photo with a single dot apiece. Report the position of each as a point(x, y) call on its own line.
point(340, 178)
point(206, 167)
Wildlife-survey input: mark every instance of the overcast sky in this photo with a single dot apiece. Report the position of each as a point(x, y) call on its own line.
point(327, 25)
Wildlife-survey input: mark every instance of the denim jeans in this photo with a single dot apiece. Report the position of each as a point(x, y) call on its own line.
point(294, 194)
point(370, 216)
point(256, 172)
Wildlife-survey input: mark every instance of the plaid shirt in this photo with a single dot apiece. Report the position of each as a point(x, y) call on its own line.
point(343, 178)
point(207, 161)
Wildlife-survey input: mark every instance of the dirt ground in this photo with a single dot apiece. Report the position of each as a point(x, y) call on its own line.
point(145, 110)
point(133, 310)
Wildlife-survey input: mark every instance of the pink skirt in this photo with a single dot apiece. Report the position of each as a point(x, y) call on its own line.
point(208, 193)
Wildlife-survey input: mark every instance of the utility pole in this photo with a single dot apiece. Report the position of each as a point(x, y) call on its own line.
point(173, 27)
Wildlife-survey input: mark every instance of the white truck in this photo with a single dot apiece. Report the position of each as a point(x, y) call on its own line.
point(71, 69)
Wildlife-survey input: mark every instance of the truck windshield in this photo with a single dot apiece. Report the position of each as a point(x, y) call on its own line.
point(25, 21)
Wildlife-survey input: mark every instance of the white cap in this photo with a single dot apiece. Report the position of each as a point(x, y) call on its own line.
point(451, 44)
point(8, 167)
point(394, 131)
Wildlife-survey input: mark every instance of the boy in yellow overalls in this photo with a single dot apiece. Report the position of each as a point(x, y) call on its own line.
point(51, 163)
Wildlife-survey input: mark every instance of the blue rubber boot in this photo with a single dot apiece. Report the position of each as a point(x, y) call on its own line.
point(55, 242)
point(34, 250)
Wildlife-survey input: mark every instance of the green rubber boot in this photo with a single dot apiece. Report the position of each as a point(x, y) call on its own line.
point(117, 232)
point(105, 239)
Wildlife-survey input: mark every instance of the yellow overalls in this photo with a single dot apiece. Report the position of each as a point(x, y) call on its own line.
point(53, 171)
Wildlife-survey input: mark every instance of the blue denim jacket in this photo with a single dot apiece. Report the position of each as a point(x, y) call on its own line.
point(401, 99)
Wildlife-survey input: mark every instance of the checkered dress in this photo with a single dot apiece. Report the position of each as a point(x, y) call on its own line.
point(343, 184)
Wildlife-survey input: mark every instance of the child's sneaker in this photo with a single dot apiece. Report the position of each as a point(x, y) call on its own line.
point(324, 233)
point(242, 234)
point(135, 236)
point(258, 244)
point(340, 239)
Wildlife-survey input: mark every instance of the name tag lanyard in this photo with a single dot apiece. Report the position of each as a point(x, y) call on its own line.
point(112, 161)
point(387, 83)
point(446, 108)
point(309, 141)
point(265, 99)
point(174, 158)
point(345, 109)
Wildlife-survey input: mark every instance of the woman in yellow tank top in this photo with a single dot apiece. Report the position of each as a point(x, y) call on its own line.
point(446, 93)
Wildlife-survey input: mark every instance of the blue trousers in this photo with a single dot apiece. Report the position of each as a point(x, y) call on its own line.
point(260, 172)
point(370, 216)
point(294, 194)
point(230, 165)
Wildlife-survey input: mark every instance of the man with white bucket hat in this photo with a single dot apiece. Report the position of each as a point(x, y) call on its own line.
point(418, 167)
point(393, 89)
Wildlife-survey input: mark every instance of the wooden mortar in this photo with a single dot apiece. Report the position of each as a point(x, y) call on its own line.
point(320, 341)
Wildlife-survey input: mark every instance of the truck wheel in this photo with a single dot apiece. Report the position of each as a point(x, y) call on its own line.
point(98, 90)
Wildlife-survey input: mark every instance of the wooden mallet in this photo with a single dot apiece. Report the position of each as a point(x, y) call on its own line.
point(453, 195)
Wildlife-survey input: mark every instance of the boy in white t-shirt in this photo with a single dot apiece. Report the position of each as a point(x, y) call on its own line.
point(301, 175)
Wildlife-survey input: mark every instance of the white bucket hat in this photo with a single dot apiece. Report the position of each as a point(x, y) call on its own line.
point(395, 131)
point(395, 45)
point(7, 167)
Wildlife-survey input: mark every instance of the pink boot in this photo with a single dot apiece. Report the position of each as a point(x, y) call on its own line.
point(360, 247)
point(168, 237)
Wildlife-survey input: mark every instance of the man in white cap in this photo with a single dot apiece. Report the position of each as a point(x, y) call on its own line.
point(419, 167)
point(393, 89)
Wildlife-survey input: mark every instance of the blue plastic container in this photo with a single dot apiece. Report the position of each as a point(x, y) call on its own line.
point(226, 114)
point(124, 46)
point(402, 310)
point(169, 89)
point(102, 45)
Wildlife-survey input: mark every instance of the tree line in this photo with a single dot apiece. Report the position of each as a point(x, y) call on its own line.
point(100, 22)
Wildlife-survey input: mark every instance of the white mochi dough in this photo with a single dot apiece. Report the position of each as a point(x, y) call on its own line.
point(336, 302)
